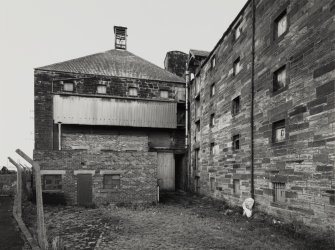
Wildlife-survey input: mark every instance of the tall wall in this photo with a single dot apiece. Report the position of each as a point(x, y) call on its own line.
point(304, 161)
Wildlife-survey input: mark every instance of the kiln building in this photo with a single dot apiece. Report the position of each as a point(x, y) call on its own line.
point(109, 127)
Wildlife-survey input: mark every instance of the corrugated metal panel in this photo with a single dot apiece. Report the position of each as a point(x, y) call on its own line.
point(117, 112)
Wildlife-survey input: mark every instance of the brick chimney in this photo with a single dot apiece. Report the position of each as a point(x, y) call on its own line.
point(120, 37)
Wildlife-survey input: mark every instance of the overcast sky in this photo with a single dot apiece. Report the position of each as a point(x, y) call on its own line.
point(40, 32)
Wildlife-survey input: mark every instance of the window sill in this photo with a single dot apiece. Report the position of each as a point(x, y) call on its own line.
point(282, 143)
point(53, 191)
point(277, 92)
point(109, 190)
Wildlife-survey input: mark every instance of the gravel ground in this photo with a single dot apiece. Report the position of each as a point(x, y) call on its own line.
point(179, 222)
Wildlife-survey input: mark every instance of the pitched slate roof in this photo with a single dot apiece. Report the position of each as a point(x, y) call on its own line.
point(120, 63)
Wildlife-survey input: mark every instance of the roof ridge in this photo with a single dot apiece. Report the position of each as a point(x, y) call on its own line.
point(119, 63)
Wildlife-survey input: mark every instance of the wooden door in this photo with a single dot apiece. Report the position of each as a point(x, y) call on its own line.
point(166, 171)
point(84, 189)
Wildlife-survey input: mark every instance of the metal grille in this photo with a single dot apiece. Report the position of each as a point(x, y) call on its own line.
point(278, 192)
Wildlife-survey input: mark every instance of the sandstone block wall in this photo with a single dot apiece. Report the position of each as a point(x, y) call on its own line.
point(304, 161)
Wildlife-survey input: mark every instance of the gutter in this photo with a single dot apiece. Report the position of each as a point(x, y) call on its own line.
point(252, 189)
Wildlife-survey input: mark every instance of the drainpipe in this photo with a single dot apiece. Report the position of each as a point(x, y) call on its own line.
point(187, 144)
point(252, 191)
point(59, 136)
point(187, 80)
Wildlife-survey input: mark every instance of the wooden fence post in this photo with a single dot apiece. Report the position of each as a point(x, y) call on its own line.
point(18, 186)
point(42, 238)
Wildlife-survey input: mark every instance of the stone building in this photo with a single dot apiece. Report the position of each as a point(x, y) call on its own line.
point(109, 127)
point(273, 71)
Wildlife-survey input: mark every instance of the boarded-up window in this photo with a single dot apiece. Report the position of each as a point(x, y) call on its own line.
point(281, 24)
point(237, 190)
point(111, 181)
point(212, 120)
point(213, 62)
point(236, 106)
point(213, 89)
point(164, 94)
point(132, 91)
point(237, 66)
point(52, 182)
point(236, 142)
point(68, 86)
point(278, 192)
point(101, 89)
point(237, 31)
point(279, 133)
point(279, 79)
point(212, 148)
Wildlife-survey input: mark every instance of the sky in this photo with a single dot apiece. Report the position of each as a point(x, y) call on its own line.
point(36, 33)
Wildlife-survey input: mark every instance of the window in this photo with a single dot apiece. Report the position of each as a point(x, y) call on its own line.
point(197, 126)
point(281, 24)
point(68, 86)
point(212, 148)
point(197, 86)
point(213, 89)
point(236, 105)
point(237, 31)
point(278, 192)
point(212, 183)
point(101, 89)
point(236, 142)
point(279, 79)
point(197, 159)
point(213, 62)
point(278, 132)
point(111, 181)
point(132, 91)
point(52, 182)
point(236, 186)
point(212, 120)
point(237, 66)
point(164, 94)
point(197, 109)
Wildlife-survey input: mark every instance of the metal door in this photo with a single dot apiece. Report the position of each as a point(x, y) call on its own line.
point(84, 189)
point(166, 171)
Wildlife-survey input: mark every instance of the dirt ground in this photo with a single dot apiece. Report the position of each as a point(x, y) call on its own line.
point(180, 221)
point(10, 235)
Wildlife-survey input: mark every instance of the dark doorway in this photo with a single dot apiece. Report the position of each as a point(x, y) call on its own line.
point(84, 189)
point(180, 177)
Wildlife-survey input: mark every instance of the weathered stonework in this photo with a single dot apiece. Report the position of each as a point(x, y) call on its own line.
point(138, 172)
point(304, 161)
point(130, 152)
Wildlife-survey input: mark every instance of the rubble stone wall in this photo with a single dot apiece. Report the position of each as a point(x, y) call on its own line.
point(138, 173)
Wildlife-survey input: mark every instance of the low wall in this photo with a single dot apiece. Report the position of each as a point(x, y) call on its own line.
point(138, 173)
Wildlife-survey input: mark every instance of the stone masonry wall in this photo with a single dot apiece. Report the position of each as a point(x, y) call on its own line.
point(304, 161)
point(48, 83)
point(218, 170)
point(111, 141)
point(138, 173)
